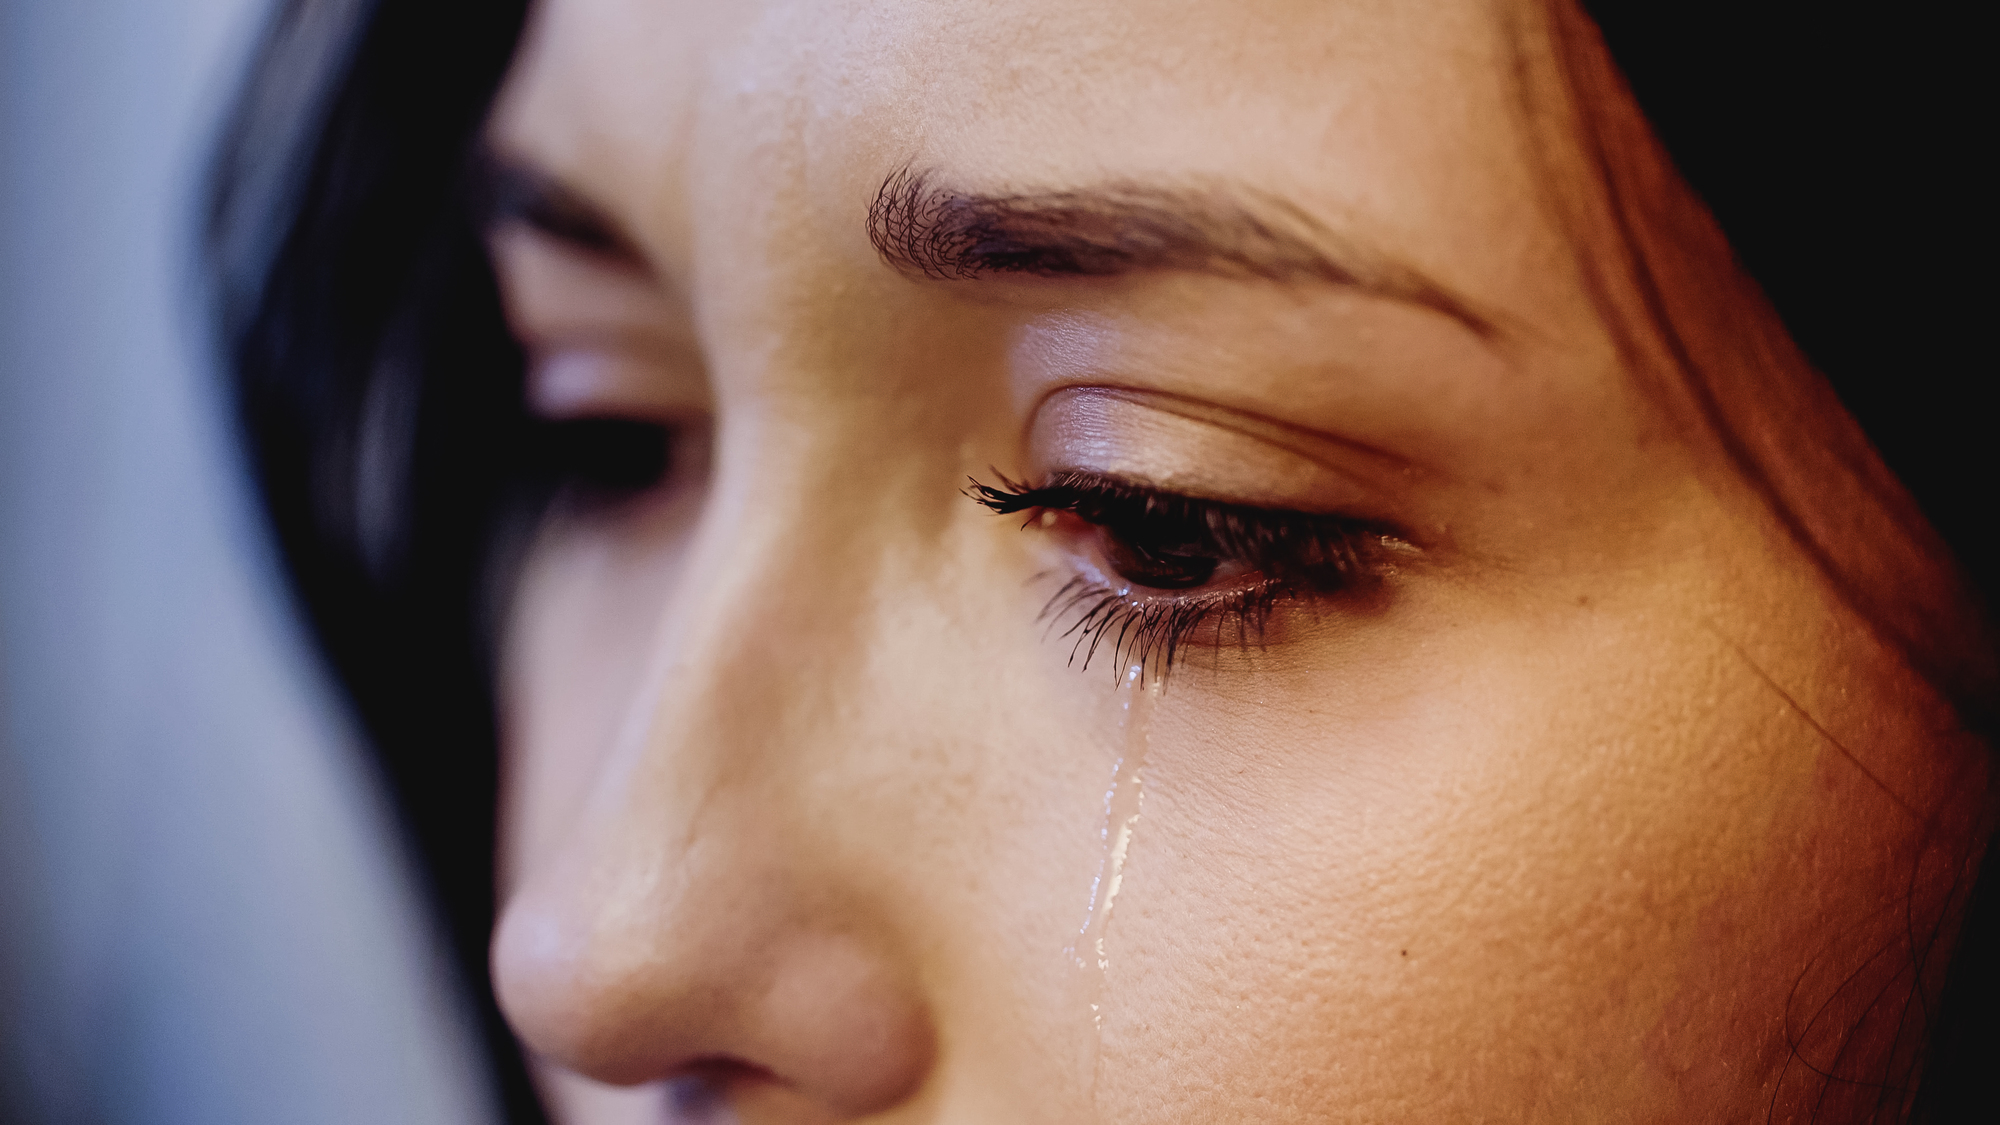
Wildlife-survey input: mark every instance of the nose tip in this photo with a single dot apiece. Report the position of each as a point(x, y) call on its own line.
point(714, 999)
point(838, 1020)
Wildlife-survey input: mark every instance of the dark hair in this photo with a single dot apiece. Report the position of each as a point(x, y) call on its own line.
point(1781, 190)
point(380, 401)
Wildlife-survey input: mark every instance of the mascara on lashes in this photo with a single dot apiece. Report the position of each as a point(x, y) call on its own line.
point(1166, 550)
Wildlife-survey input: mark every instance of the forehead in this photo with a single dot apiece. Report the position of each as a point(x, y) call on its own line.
point(1397, 122)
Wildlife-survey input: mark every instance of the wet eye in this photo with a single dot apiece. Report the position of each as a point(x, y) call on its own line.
point(1164, 556)
point(1169, 572)
point(1164, 541)
point(1162, 568)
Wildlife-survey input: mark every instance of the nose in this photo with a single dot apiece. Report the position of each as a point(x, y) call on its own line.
point(719, 910)
point(710, 985)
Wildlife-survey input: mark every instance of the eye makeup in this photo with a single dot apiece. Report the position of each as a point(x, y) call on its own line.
point(1188, 447)
point(1192, 525)
point(1159, 572)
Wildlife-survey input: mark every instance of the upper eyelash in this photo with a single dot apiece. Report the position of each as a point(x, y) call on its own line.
point(1301, 556)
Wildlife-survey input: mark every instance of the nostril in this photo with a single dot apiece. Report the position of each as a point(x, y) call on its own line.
point(694, 1099)
point(725, 1091)
point(700, 1096)
point(701, 1093)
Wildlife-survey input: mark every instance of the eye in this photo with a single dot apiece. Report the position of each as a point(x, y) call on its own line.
point(1175, 567)
point(1161, 566)
point(606, 459)
point(1163, 545)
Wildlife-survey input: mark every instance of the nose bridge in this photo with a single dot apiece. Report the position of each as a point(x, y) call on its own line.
point(704, 905)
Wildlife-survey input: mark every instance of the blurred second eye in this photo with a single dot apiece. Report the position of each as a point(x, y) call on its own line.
point(607, 458)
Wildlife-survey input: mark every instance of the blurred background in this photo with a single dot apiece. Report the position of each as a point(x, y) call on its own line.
point(206, 913)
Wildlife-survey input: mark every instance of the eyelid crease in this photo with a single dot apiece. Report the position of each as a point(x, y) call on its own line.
point(1190, 448)
point(1313, 445)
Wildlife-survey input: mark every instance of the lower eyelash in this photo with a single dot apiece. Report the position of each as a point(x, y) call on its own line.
point(1299, 557)
point(1152, 632)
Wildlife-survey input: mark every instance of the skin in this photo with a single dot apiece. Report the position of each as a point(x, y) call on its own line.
point(1587, 806)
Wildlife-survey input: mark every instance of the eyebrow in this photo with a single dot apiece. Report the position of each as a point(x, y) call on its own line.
point(510, 191)
point(920, 226)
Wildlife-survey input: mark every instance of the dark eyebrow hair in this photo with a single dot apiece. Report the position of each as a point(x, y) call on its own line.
point(919, 226)
point(510, 191)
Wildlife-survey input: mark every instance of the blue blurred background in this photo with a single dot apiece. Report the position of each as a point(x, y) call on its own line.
point(205, 912)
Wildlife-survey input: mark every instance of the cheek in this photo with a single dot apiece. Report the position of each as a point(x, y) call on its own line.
point(579, 643)
point(1555, 863)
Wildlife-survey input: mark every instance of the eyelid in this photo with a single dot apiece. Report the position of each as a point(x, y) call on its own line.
point(556, 295)
point(1194, 449)
point(592, 383)
point(603, 340)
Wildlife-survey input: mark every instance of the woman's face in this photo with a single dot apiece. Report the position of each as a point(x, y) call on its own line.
point(1376, 710)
